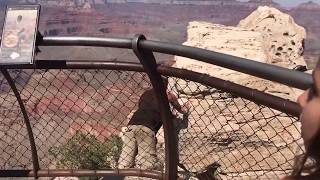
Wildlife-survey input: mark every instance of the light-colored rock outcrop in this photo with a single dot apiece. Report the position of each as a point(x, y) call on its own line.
point(283, 39)
point(223, 39)
point(242, 136)
point(267, 35)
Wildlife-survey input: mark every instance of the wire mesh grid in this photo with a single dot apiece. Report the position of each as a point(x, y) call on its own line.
point(15, 146)
point(79, 120)
point(232, 138)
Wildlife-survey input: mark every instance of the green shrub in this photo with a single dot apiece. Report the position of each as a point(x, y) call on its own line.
point(87, 152)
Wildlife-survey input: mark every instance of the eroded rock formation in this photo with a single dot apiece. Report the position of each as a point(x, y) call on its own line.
point(283, 39)
point(267, 35)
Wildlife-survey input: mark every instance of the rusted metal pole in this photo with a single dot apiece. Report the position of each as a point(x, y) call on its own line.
point(34, 154)
point(148, 61)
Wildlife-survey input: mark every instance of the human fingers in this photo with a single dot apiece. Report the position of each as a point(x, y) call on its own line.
point(303, 98)
point(188, 105)
point(310, 121)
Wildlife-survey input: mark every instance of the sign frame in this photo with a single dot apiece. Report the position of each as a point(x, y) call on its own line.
point(29, 58)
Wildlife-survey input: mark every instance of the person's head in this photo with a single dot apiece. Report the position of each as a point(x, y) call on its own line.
point(310, 118)
point(19, 18)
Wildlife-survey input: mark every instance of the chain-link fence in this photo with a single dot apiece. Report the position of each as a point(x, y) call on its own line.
point(233, 137)
point(79, 121)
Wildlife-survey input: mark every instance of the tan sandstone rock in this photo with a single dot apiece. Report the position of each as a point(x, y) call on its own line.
point(276, 39)
point(224, 39)
point(283, 38)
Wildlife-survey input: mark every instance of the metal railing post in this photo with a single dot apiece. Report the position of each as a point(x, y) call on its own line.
point(34, 154)
point(148, 61)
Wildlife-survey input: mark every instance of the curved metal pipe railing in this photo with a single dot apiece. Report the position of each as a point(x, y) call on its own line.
point(281, 75)
point(34, 155)
point(278, 74)
point(253, 95)
point(149, 64)
point(277, 103)
point(86, 41)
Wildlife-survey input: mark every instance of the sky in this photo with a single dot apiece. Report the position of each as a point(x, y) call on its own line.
point(291, 3)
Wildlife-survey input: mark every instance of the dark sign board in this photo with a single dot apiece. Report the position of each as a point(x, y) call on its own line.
point(19, 35)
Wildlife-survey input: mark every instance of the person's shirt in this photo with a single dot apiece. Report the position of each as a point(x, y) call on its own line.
point(148, 113)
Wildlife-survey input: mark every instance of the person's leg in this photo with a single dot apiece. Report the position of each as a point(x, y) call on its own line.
point(147, 155)
point(129, 149)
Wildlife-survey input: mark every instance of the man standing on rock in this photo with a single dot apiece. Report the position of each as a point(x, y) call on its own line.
point(139, 137)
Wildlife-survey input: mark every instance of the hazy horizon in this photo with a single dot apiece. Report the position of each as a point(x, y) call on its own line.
point(285, 3)
point(291, 3)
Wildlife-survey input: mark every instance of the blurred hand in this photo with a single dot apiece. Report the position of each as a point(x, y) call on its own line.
point(171, 96)
point(310, 116)
point(186, 107)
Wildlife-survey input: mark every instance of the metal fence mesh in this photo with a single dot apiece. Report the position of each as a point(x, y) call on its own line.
point(240, 137)
point(78, 117)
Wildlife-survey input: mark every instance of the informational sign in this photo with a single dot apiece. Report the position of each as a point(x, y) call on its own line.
point(19, 35)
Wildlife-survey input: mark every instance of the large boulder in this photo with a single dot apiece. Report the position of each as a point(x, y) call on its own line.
point(283, 38)
point(267, 35)
point(224, 39)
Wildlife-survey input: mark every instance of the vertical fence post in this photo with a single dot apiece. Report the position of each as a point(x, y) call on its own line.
point(34, 154)
point(148, 61)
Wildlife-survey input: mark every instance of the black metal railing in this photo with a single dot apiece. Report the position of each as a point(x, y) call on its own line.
point(79, 108)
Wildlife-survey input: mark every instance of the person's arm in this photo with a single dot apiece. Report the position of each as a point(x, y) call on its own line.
point(173, 100)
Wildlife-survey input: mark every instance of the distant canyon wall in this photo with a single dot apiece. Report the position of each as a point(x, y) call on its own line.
point(179, 2)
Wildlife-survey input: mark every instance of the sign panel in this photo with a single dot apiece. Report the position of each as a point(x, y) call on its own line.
point(19, 35)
